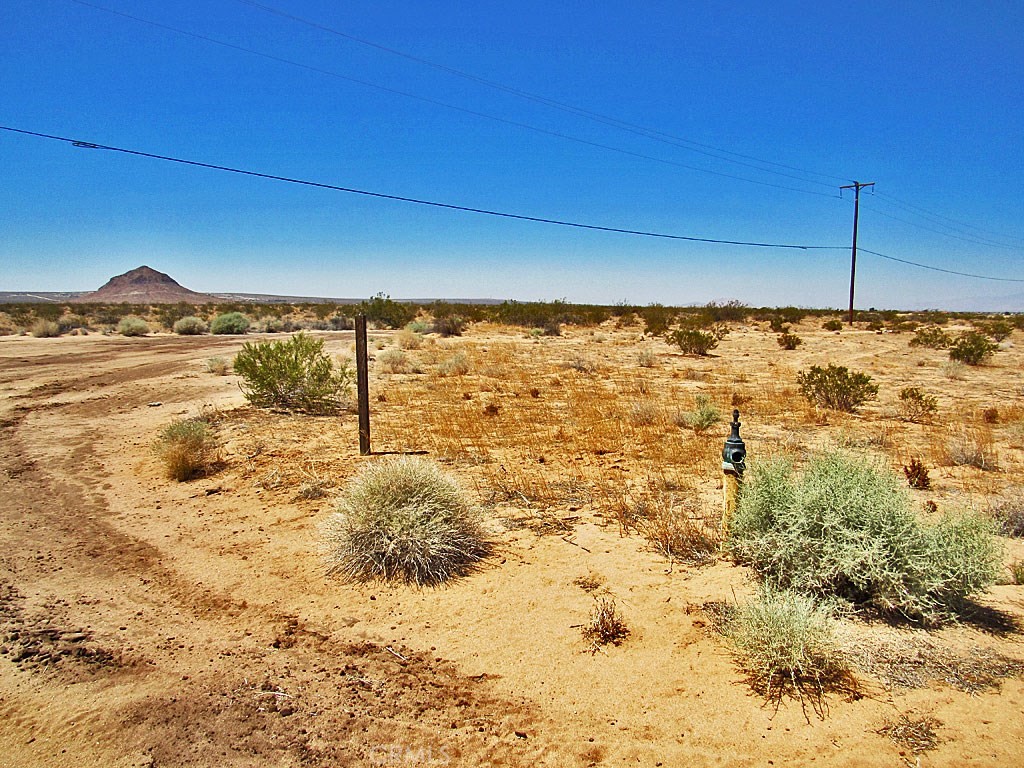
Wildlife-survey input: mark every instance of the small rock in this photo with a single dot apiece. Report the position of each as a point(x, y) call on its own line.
point(155, 404)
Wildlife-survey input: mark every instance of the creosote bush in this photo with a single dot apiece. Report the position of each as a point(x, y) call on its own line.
point(132, 326)
point(916, 405)
point(931, 337)
point(404, 519)
point(229, 323)
point(692, 341)
point(295, 374)
point(186, 447)
point(789, 340)
point(190, 326)
point(832, 325)
point(845, 529)
point(836, 388)
point(972, 348)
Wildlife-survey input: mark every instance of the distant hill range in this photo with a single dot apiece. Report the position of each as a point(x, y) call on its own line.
point(144, 285)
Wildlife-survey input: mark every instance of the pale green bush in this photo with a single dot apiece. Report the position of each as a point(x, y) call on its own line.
point(190, 326)
point(229, 323)
point(132, 325)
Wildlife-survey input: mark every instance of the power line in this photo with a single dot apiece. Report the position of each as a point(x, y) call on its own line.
point(940, 269)
point(972, 240)
point(649, 133)
point(417, 201)
point(446, 105)
point(954, 223)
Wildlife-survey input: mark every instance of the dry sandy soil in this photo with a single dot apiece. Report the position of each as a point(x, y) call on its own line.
point(146, 622)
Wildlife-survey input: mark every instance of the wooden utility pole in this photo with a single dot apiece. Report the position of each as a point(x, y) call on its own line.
point(856, 187)
point(363, 386)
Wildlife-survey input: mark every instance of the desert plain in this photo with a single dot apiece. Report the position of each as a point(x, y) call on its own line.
point(149, 622)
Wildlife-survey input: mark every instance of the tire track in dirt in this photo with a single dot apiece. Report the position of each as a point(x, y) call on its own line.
point(177, 689)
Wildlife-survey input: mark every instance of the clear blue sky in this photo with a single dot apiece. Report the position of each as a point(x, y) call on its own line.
point(923, 98)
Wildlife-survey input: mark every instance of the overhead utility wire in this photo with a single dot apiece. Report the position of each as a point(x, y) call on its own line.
point(649, 133)
point(940, 219)
point(401, 198)
point(468, 209)
point(446, 105)
point(940, 269)
point(965, 238)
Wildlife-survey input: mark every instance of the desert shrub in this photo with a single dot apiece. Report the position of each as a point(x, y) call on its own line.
point(787, 641)
point(456, 365)
point(990, 415)
point(295, 374)
point(778, 324)
point(997, 330)
point(972, 348)
point(647, 358)
point(218, 366)
point(393, 360)
point(703, 416)
point(832, 325)
point(835, 387)
point(384, 312)
point(132, 326)
point(931, 337)
point(341, 323)
point(1008, 513)
point(657, 318)
point(44, 329)
point(418, 326)
point(606, 623)
point(789, 340)
point(917, 406)
point(229, 323)
point(693, 342)
point(954, 370)
point(71, 323)
point(644, 413)
point(450, 325)
point(917, 475)
point(190, 326)
point(409, 339)
point(845, 529)
point(186, 447)
point(971, 446)
point(404, 519)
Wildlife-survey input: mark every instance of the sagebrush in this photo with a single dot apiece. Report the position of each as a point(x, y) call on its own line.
point(187, 448)
point(845, 528)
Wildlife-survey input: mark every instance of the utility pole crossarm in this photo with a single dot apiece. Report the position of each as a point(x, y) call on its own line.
point(856, 187)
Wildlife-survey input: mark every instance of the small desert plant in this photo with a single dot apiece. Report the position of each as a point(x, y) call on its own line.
point(404, 519)
point(409, 339)
point(789, 340)
point(229, 323)
point(693, 342)
point(997, 330)
point(647, 358)
point(931, 337)
point(606, 623)
point(1016, 569)
point(846, 529)
point(186, 447)
point(954, 370)
point(681, 535)
point(190, 326)
point(132, 325)
point(295, 374)
point(787, 642)
point(972, 348)
point(836, 388)
point(832, 325)
point(582, 363)
point(971, 446)
point(456, 365)
point(778, 324)
point(393, 360)
point(218, 366)
point(916, 405)
point(644, 413)
point(917, 475)
point(44, 329)
point(1008, 513)
point(703, 416)
point(450, 325)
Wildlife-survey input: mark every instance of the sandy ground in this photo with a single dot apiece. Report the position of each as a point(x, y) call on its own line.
point(152, 623)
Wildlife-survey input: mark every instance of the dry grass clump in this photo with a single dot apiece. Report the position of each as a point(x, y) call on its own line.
point(644, 413)
point(971, 446)
point(44, 329)
point(647, 358)
point(606, 624)
point(703, 416)
point(393, 360)
point(404, 519)
point(682, 535)
point(407, 338)
point(218, 366)
point(456, 365)
point(1007, 512)
point(916, 735)
point(187, 448)
point(788, 644)
point(846, 529)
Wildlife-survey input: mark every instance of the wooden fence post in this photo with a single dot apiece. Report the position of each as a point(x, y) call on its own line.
point(363, 386)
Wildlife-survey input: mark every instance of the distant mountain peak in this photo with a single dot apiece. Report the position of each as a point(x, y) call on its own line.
point(144, 285)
